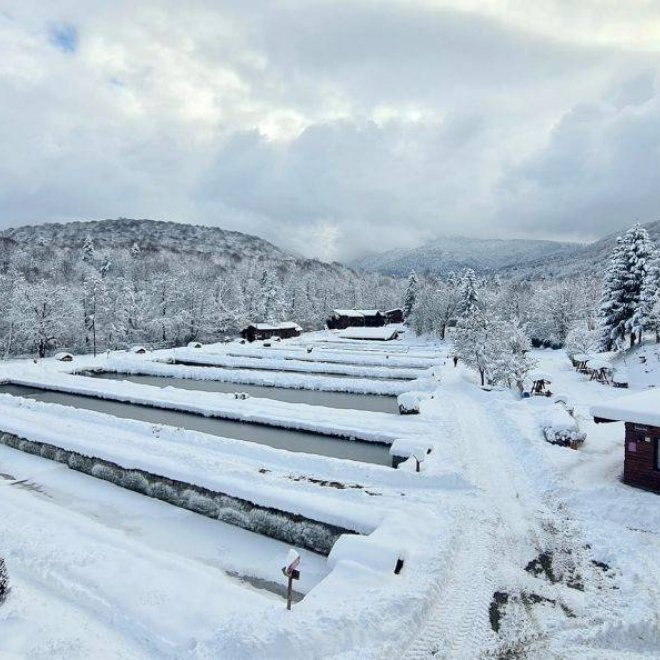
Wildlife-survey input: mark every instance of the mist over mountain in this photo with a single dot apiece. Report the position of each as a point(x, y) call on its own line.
point(516, 258)
point(456, 253)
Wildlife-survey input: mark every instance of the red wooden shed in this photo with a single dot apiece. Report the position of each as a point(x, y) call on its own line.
point(641, 414)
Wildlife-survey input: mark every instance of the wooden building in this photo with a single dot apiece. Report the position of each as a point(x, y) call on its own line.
point(355, 318)
point(641, 414)
point(261, 331)
point(394, 315)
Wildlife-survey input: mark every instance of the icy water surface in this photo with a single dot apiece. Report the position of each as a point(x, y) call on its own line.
point(298, 441)
point(344, 400)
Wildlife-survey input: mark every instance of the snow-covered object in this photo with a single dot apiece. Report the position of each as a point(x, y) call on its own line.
point(620, 378)
point(407, 447)
point(194, 344)
point(409, 402)
point(596, 364)
point(285, 325)
point(382, 334)
point(559, 428)
point(563, 400)
point(138, 350)
point(536, 375)
point(371, 553)
point(64, 357)
point(582, 357)
point(639, 408)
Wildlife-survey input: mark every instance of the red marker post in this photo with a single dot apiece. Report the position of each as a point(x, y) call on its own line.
point(292, 573)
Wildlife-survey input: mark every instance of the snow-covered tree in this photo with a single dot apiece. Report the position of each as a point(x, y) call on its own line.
point(622, 287)
point(468, 297)
point(473, 341)
point(582, 339)
point(4, 581)
point(647, 315)
point(88, 252)
point(273, 299)
point(410, 295)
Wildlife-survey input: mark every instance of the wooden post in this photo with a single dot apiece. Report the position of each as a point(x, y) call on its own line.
point(289, 592)
point(292, 575)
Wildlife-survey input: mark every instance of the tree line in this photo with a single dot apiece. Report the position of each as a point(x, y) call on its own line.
point(88, 300)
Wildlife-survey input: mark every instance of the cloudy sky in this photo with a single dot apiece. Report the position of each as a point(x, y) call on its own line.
point(334, 128)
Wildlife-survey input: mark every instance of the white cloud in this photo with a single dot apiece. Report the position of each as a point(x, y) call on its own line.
point(333, 128)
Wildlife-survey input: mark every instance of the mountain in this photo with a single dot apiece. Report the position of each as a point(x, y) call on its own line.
point(590, 259)
point(149, 235)
point(515, 258)
point(454, 254)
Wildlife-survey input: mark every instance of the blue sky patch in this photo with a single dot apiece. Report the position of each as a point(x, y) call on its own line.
point(64, 37)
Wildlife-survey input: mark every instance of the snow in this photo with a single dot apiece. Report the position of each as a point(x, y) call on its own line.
point(410, 401)
point(639, 408)
point(95, 567)
point(276, 362)
point(386, 333)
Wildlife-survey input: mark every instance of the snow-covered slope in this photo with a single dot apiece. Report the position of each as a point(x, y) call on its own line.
point(148, 234)
point(453, 254)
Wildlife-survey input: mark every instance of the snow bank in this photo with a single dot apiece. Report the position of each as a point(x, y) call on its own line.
point(345, 423)
point(203, 358)
point(380, 334)
point(371, 553)
point(409, 402)
point(267, 378)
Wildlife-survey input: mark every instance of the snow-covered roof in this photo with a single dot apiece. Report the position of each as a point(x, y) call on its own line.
point(370, 333)
point(356, 313)
point(138, 349)
point(582, 357)
point(352, 313)
point(63, 356)
point(639, 408)
point(286, 325)
point(396, 309)
point(537, 374)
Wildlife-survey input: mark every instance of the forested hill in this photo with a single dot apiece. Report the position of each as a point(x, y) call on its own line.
point(115, 283)
point(149, 235)
point(589, 261)
point(516, 259)
point(445, 255)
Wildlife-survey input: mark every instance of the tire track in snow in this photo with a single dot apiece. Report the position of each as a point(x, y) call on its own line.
point(496, 537)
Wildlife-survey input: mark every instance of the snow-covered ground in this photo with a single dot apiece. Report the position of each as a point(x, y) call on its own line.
point(512, 547)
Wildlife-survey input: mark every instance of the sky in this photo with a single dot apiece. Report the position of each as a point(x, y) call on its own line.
point(334, 128)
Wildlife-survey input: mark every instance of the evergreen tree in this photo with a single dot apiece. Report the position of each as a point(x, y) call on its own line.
point(647, 315)
point(468, 298)
point(622, 287)
point(410, 297)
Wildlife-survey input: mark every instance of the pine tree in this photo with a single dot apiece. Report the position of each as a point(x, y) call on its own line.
point(646, 317)
point(468, 302)
point(273, 299)
point(622, 287)
point(4, 580)
point(410, 297)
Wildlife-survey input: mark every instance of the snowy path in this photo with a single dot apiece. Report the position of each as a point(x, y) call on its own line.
point(512, 522)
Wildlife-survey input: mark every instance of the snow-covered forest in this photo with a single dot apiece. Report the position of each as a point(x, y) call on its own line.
point(497, 321)
point(62, 290)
